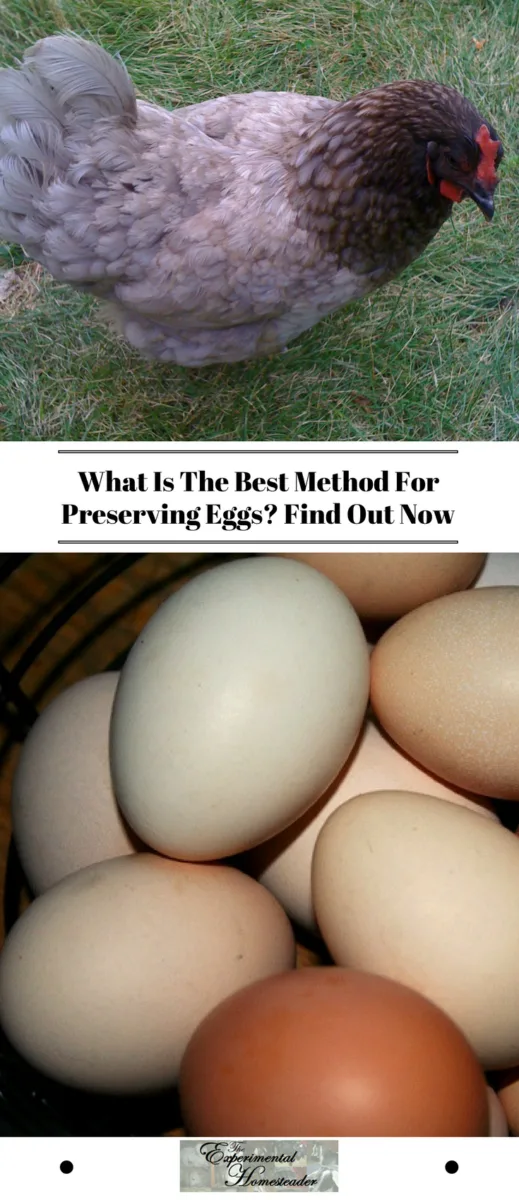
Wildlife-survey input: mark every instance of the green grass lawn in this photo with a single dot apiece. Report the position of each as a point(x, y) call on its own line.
point(433, 356)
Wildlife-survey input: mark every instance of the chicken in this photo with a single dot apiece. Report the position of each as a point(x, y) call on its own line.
point(221, 231)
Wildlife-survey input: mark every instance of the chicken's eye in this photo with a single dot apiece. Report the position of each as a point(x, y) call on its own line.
point(450, 159)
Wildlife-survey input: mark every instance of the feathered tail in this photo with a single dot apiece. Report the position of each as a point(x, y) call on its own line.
point(63, 85)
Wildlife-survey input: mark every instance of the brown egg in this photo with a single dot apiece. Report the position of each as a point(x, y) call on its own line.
point(384, 586)
point(445, 686)
point(329, 1052)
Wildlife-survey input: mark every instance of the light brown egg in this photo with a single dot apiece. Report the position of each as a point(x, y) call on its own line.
point(384, 586)
point(284, 863)
point(445, 686)
point(427, 893)
point(105, 977)
point(64, 811)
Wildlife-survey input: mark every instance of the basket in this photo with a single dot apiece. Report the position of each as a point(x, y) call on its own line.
point(65, 617)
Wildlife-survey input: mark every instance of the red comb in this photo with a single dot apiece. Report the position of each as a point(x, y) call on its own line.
point(487, 168)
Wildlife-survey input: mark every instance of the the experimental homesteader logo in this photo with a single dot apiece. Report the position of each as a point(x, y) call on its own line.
point(218, 1166)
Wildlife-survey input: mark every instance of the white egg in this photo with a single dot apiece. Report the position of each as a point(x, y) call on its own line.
point(104, 979)
point(64, 811)
point(427, 893)
point(237, 706)
point(498, 1120)
point(499, 570)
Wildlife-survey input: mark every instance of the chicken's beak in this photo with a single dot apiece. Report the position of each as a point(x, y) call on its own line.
point(483, 197)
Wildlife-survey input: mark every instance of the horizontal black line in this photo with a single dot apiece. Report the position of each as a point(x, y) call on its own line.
point(254, 542)
point(268, 450)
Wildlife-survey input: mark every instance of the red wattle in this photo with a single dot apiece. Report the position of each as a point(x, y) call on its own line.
point(451, 191)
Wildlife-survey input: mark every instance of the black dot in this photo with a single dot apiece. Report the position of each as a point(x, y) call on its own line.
point(451, 1167)
point(66, 1167)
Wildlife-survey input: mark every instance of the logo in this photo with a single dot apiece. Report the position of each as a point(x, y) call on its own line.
point(256, 1166)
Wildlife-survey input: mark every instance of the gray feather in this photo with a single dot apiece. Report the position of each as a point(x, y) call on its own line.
point(87, 83)
point(39, 142)
point(25, 97)
point(63, 86)
point(18, 184)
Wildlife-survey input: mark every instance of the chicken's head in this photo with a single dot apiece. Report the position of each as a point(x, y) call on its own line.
point(467, 166)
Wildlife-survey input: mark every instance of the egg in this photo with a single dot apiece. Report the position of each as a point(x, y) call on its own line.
point(506, 1084)
point(327, 1052)
point(499, 569)
point(64, 812)
point(386, 585)
point(237, 706)
point(445, 686)
point(106, 976)
point(284, 863)
point(498, 1120)
point(427, 893)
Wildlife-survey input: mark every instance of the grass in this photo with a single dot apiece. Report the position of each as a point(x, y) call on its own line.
point(433, 356)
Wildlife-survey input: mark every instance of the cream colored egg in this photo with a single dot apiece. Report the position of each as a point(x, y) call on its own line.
point(506, 1084)
point(427, 893)
point(445, 686)
point(284, 863)
point(386, 585)
point(64, 812)
point(499, 569)
point(105, 977)
point(237, 706)
point(498, 1124)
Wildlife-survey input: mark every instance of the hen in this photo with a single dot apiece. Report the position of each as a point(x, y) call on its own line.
point(221, 231)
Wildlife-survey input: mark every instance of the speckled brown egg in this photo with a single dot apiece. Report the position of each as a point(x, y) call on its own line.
point(445, 686)
point(385, 586)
